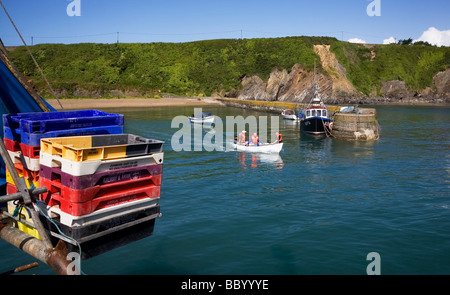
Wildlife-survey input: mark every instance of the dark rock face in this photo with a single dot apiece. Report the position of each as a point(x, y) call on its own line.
point(395, 89)
point(441, 83)
point(297, 85)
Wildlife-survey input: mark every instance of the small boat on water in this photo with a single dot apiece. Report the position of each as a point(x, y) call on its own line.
point(203, 117)
point(289, 114)
point(261, 148)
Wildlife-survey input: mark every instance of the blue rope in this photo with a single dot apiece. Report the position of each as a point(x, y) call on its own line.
point(59, 230)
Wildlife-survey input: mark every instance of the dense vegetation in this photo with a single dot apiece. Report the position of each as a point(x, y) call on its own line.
point(203, 67)
point(369, 66)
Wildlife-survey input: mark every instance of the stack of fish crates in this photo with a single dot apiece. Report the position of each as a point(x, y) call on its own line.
point(22, 135)
point(103, 190)
point(103, 186)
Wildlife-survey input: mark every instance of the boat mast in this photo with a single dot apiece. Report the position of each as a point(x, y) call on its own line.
point(316, 84)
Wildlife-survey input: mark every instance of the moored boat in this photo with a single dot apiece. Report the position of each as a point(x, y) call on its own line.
point(315, 118)
point(203, 117)
point(289, 114)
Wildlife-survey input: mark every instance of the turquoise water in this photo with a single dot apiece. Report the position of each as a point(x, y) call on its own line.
point(318, 208)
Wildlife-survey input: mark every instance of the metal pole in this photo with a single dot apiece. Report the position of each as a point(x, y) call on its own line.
point(26, 195)
point(18, 196)
point(21, 268)
point(56, 257)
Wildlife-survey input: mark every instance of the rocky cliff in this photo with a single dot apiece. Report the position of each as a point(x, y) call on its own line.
point(296, 85)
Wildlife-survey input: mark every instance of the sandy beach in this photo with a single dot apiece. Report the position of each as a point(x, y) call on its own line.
point(101, 103)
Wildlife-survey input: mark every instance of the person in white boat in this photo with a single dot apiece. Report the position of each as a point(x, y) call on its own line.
point(241, 137)
point(255, 140)
point(278, 137)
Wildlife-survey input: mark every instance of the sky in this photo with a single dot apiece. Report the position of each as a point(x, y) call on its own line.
point(110, 21)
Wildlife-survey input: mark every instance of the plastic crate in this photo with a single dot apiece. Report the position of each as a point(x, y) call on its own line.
point(56, 214)
point(91, 167)
point(26, 150)
point(98, 191)
point(12, 145)
point(101, 178)
point(29, 174)
point(33, 139)
point(29, 182)
point(31, 164)
point(25, 223)
point(104, 235)
point(108, 200)
point(100, 147)
point(41, 122)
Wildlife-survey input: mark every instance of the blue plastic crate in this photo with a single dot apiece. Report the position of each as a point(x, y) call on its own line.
point(40, 122)
point(34, 139)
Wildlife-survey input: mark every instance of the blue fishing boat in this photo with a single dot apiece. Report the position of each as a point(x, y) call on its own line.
point(16, 96)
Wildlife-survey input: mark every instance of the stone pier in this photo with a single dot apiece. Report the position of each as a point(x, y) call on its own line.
point(360, 124)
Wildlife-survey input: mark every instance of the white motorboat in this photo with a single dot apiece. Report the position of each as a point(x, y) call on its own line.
point(289, 114)
point(203, 117)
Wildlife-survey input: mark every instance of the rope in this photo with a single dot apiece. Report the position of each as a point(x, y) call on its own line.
point(32, 57)
point(57, 227)
point(21, 205)
point(18, 210)
point(327, 132)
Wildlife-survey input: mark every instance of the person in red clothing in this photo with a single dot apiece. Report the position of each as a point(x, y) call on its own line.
point(278, 137)
point(255, 139)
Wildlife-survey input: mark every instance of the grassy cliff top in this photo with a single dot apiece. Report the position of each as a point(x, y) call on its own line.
point(204, 67)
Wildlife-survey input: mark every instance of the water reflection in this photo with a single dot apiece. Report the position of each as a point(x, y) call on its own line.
point(253, 160)
point(353, 149)
point(316, 150)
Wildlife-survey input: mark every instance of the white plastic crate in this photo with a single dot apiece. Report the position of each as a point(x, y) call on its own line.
point(28, 163)
point(91, 167)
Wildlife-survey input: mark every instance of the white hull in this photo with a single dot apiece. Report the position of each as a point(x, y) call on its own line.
point(262, 148)
point(202, 120)
point(289, 114)
point(289, 117)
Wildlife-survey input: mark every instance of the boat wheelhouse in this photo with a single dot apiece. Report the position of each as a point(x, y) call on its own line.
point(315, 118)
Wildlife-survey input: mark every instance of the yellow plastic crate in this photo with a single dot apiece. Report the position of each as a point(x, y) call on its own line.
point(29, 182)
point(100, 147)
point(23, 215)
point(79, 149)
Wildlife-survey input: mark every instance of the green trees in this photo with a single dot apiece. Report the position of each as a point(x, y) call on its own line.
point(203, 67)
point(369, 66)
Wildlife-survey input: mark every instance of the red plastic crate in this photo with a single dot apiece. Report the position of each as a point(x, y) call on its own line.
point(10, 189)
point(104, 201)
point(27, 150)
point(26, 173)
point(30, 150)
point(11, 145)
point(88, 194)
